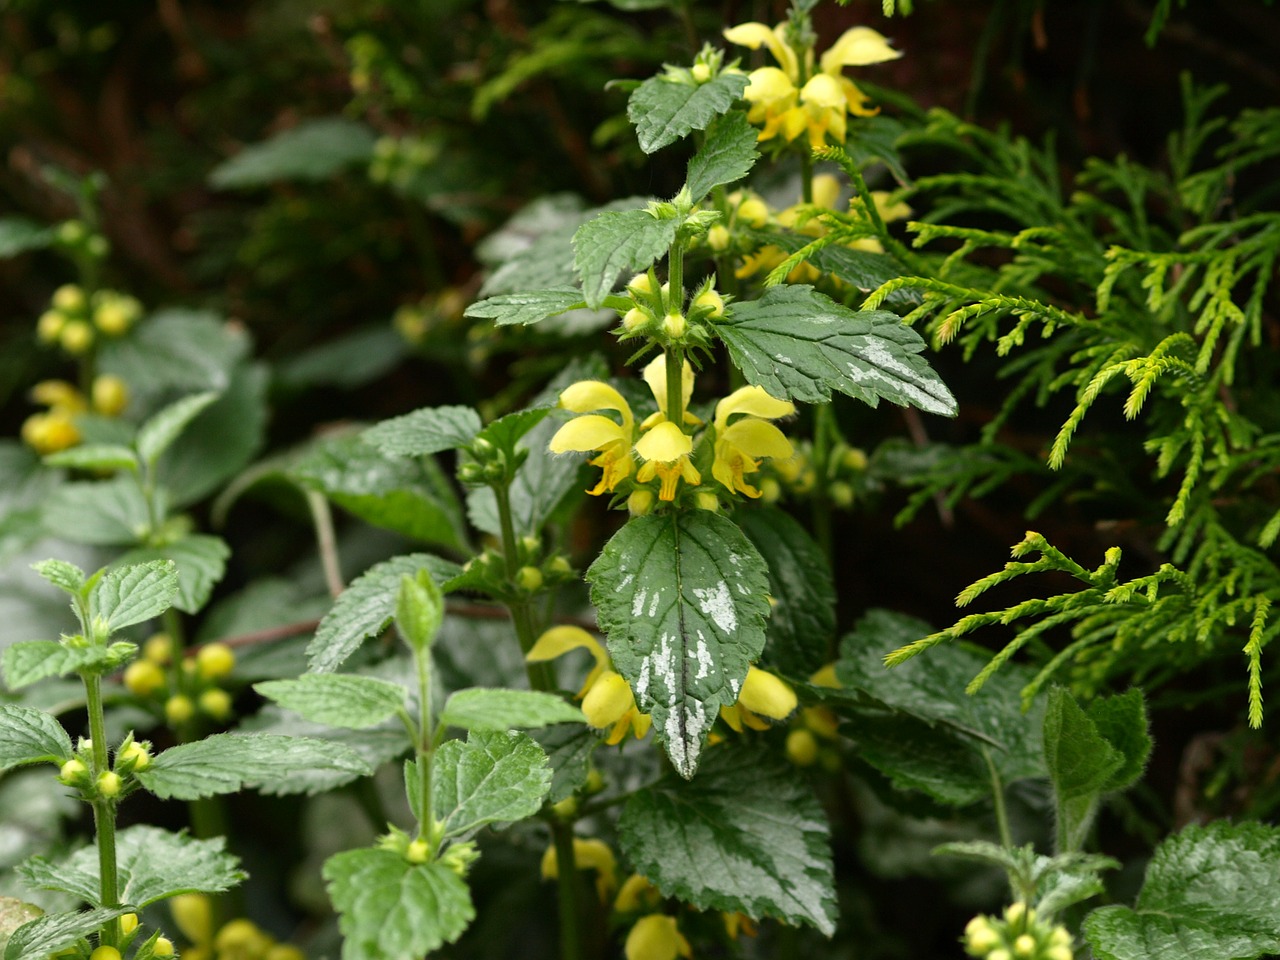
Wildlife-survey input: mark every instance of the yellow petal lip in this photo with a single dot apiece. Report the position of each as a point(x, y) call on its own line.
point(753, 401)
point(590, 432)
point(767, 695)
point(656, 937)
point(665, 443)
point(560, 640)
point(823, 90)
point(757, 438)
point(587, 395)
point(754, 35)
point(858, 47)
point(608, 700)
point(768, 85)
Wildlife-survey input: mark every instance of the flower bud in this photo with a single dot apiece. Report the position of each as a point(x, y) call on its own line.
point(841, 494)
point(50, 432)
point(49, 326)
point(559, 565)
point(215, 661)
point(854, 459)
point(705, 500)
point(179, 709)
point(142, 678)
point(135, 755)
point(635, 320)
point(97, 246)
point(710, 301)
point(115, 313)
point(1024, 947)
point(529, 579)
point(1017, 914)
point(72, 772)
point(718, 238)
point(701, 72)
point(753, 212)
point(69, 298)
point(417, 851)
point(1058, 952)
point(76, 337)
point(674, 325)
point(284, 951)
point(766, 694)
point(640, 285)
point(72, 233)
point(128, 923)
point(105, 953)
point(1000, 954)
point(802, 748)
point(640, 502)
point(109, 395)
point(109, 784)
point(162, 948)
point(158, 648)
point(216, 703)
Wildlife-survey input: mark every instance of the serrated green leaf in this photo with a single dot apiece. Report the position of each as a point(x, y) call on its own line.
point(618, 242)
point(105, 514)
point(367, 607)
point(65, 576)
point(389, 909)
point(131, 594)
point(745, 836)
point(95, 456)
point(507, 309)
point(419, 611)
point(200, 560)
point(176, 350)
point(491, 777)
point(55, 932)
point(569, 750)
point(797, 343)
point(509, 429)
point(152, 864)
point(336, 700)
point(803, 618)
point(226, 763)
point(864, 270)
point(727, 156)
point(28, 661)
point(313, 150)
point(1122, 722)
point(681, 596)
point(392, 492)
point(1081, 762)
point(159, 432)
point(663, 111)
point(28, 735)
point(13, 914)
point(19, 234)
point(425, 431)
point(477, 708)
point(1210, 893)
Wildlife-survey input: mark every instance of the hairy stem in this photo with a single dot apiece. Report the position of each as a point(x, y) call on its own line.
point(567, 891)
point(675, 386)
point(425, 745)
point(322, 518)
point(997, 797)
point(104, 809)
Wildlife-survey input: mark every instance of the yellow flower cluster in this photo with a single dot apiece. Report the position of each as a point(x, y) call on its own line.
point(795, 97)
point(55, 429)
point(186, 688)
point(239, 939)
point(660, 449)
point(74, 319)
point(1018, 935)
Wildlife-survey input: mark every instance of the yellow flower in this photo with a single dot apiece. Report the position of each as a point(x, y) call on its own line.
point(740, 444)
point(588, 854)
point(655, 375)
point(597, 432)
point(636, 894)
point(656, 937)
point(665, 450)
point(762, 695)
point(606, 697)
point(792, 98)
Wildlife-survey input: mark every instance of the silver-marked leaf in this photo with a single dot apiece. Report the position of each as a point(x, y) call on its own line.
point(28, 735)
point(618, 242)
point(477, 708)
point(95, 456)
point(727, 156)
point(315, 149)
point(336, 700)
point(1210, 893)
point(201, 561)
point(491, 777)
point(13, 914)
point(367, 606)
point(390, 909)
point(429, 430)
point(226, 763)
point(152, 864)
point(663, 110)
point(65, 576)
point(29, 661)
point(526, 308)
point(746, 836)
point(797, 343)
point(682, 596)
point(130, 594)
point(54, 932)
point(158, 433)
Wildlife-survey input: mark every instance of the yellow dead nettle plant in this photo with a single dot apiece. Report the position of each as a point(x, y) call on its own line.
point(763, 695)
point(606, 697)
point(792, 98)
point(595, 432)
point(740, 444)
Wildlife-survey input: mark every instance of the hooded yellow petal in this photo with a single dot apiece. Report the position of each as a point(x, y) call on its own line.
point(587, 395)
point(758, 438)
point(826, 191)
point(655, 937)
point(590, 432)
point(655, 375)
point(665, 443)
point(857, 48)
point(767, 695)
point(635, 894)
point(753, 401)
point(608, 700)
point(755, 35)
point(824, 91)
point(560, 640)
point(769, 86)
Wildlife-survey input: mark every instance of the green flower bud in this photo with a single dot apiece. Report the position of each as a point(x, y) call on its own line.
point(109, 784)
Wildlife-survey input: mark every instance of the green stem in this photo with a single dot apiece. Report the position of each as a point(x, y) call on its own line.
point(806, 176)
point(823, 426)
point(997, 796)
point(675, 275)
point(104, 809)
point(425, 744)
point(675, 386)
point(888, 240)
point(567, 890)
point(521, 614)
point(326, 541)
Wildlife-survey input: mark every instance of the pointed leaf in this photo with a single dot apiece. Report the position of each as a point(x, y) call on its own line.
point(65, 576)
point(727, 156)
point(226, 763)
point(682, 598)
point(201, 561)
point(134, 593)
point(525, 308)
point(663, 111)
point(619, 242)
point(1210, 893)
point(315, 149)
point(480, 709)
point(491, 777)
point(158, 433)
point(106, 513)
point(425, 431)
point(55, 932)
point(1122, 721)
point(13, 914)
point(367, 606)
point(797, 343)
point(337, 700)
point(29, 661)
point(152, 864)
point(1081, 761)
point(95, 456)
point(745, 836)
point(28, 735)
point(389, 909)
point(19, 234)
